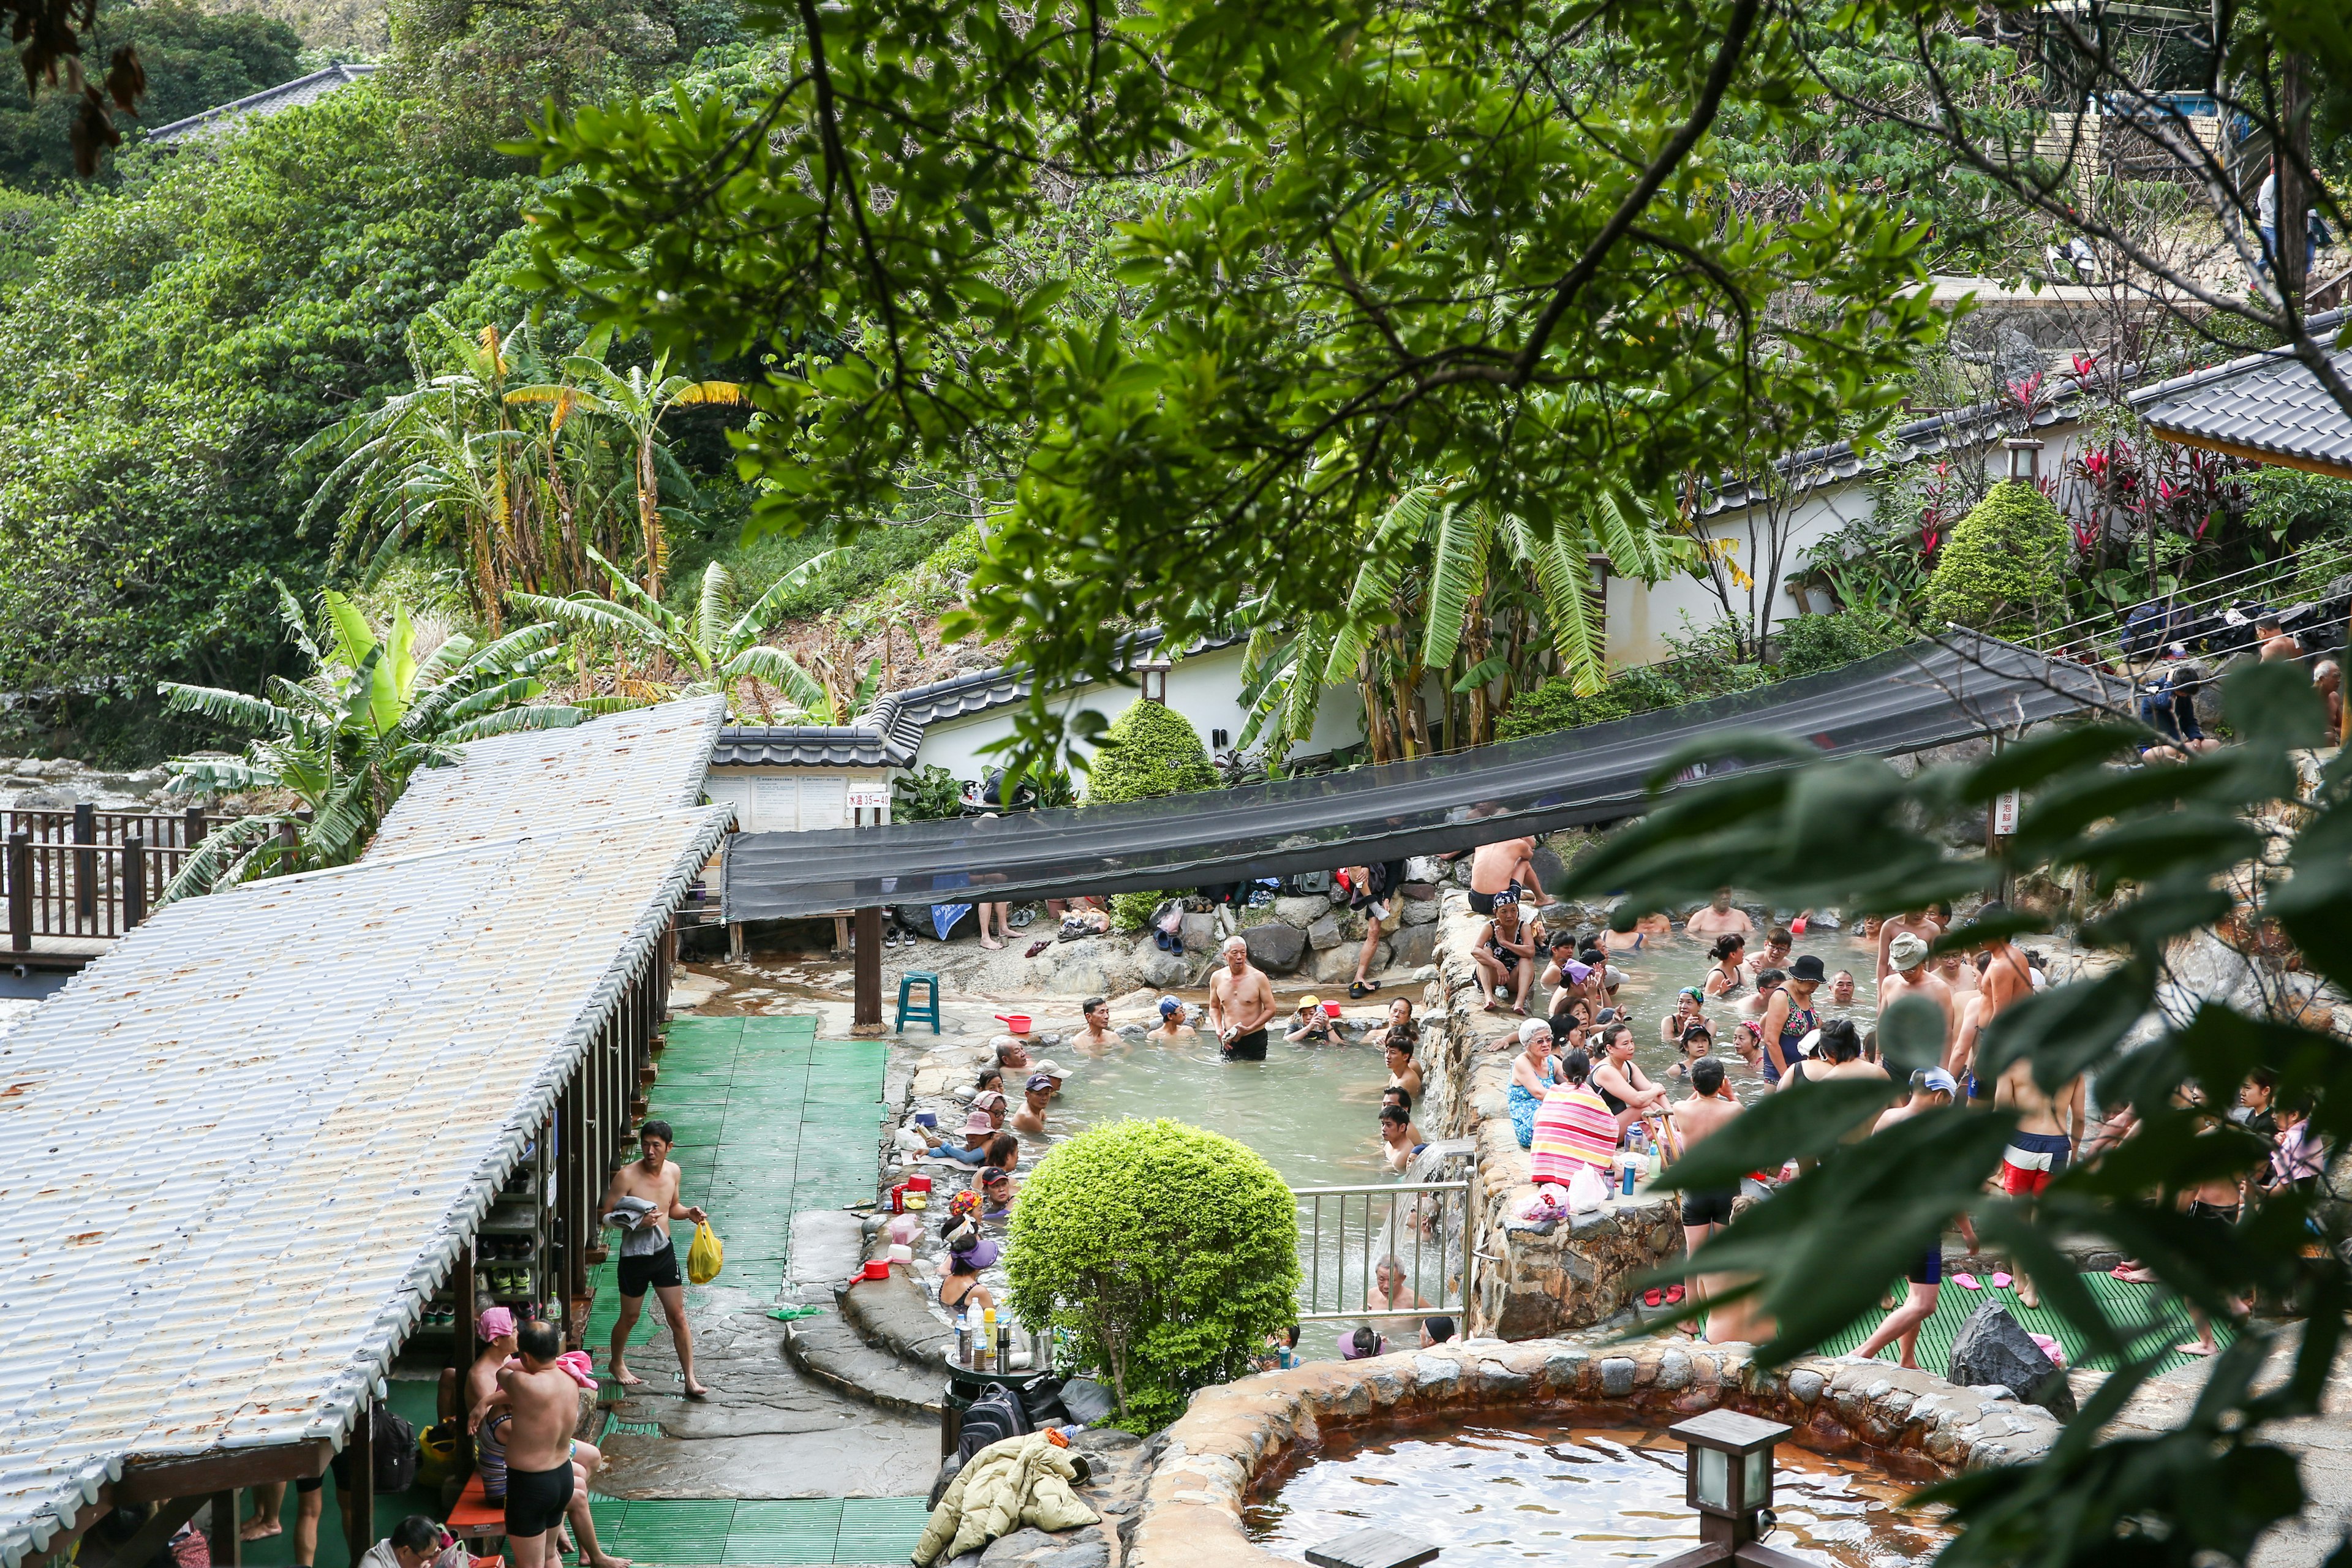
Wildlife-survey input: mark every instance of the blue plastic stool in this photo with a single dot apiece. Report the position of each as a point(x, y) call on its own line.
point(928, 1012)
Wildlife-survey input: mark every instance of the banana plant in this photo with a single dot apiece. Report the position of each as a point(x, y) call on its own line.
point(711, 649)
point(635, 401)
point(1449, 586)
point(344, 741)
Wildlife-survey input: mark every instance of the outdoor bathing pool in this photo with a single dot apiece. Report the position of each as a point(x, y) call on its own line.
point(1554, 1493)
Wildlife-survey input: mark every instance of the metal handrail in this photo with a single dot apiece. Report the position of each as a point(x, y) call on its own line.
point(1456, 1300)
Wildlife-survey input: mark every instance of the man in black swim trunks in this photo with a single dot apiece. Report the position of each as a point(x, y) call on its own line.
point(1241, 1001)
point(1500, 872)
point(544, 1405)
point(642, 1201)
point(1704, 1114)
point(1932, 1089)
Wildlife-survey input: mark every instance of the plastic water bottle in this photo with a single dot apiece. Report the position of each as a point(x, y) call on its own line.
point(987, 1337)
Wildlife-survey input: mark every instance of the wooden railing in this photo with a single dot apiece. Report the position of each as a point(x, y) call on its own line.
point(86, 873)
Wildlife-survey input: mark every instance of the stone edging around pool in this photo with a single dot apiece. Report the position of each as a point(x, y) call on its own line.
point(1205, 1465)
point(1535, 1280)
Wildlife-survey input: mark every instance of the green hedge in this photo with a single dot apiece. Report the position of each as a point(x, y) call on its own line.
point(1167, 1254)
point(1555, 705)
point(2002, 561)
point(1807, 644)
point(1150, 750)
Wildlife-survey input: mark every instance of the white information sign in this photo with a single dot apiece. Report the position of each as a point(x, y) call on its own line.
point(2004, 813)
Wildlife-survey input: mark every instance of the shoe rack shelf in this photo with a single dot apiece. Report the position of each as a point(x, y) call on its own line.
point(513, 1266)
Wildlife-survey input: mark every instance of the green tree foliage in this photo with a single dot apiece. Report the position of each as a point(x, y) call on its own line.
point(193, 59)
point(2002, 563)
point(2164, 853)
point(1412, 241)
point(1150, 749)
point(1706, 664)
point(183, 334)
point(1166, 1252)
point(1807, 644)
point(344, 741)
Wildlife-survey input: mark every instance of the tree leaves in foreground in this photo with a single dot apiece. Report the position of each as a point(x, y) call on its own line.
point(2235, 841)
point(1483, 240)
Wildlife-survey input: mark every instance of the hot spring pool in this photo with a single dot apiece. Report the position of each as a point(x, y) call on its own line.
point(1571, 1495)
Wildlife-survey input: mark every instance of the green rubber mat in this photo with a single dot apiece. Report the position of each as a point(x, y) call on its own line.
point(2159, 1320)
point(671, 1532)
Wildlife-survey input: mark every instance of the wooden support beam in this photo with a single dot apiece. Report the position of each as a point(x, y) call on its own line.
point(147, 1539)
point(865, 1013)
point(20, 890)
point(359, 1496)
point(208, 1473)
point(227, 1545)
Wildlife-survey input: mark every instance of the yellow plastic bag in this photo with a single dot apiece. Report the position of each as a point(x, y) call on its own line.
point(705, 1257)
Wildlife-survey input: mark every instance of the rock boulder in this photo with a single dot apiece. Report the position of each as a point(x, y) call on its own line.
point(1324, 933)
point(1994, 1348)
point(1303, 911)
point(1274, 947)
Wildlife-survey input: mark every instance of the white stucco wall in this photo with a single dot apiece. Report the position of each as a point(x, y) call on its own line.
point(1205, 687)
point(1641, 617)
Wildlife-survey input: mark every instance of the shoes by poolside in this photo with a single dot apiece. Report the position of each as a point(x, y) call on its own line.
point(1652, 1296)
point(1673, 1294)
point(2002, 1281)
point(1967, 1282)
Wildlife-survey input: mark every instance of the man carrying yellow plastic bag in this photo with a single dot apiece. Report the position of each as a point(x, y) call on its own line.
point(641, 1202)
point(705, 1257)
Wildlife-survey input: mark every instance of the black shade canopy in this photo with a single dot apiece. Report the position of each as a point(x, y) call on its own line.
point(1925, 695)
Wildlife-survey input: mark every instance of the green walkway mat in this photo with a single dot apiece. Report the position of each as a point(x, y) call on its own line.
point(413, 1400)
point(718, 1533)
point(2160, 1322)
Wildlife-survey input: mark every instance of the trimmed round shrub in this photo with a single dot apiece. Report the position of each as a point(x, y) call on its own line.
point(1554, 705)
point(1167, 1254)
point(2001, 562)
point(1150, 750)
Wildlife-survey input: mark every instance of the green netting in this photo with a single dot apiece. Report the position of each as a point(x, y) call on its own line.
point(2149, 1318)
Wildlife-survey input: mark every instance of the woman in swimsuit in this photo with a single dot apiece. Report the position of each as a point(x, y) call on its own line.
point(962, 1288)
point(1499, 951)
point(1533, 1073)
point(1687, 1005)
point(1623, 1088)
point(1727, 979)
point(1789, 1018)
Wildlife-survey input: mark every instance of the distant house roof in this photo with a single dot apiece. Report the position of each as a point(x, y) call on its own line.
point(268, 101)
point(2268, 406)
point(889, 733)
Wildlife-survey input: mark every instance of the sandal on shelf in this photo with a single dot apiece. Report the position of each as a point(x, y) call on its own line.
point(1967, 1282)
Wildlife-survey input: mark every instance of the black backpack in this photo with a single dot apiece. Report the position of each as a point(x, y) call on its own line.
point(993, 1417)
point(392, 1442)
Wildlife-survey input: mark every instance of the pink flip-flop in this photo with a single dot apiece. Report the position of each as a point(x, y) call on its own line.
point(2002, 1281)
point(1967, 1282)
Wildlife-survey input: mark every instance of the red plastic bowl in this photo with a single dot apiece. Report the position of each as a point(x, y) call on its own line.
point(877, 1268)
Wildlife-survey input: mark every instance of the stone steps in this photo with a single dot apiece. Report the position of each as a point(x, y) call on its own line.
point(829, 1351)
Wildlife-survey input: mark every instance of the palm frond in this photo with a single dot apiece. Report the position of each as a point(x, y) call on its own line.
point(513, 721)
point(777, 668)
point(753, 621)
point(221, 859)
point(223, 707)
point(1457, 574)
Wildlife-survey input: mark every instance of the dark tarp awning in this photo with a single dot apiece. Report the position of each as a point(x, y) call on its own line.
point(1925, 695)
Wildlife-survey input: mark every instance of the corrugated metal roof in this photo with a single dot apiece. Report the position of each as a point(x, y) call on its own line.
point(623, 765)
point(2268, 404)
point(889, 733)
point(268, 101)
point(251, 1137)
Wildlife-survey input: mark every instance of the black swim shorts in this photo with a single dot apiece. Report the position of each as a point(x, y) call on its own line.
point(1483, 903)
point(1929, 1270)
point(536, 1499)
point(1711, 1207)
point(1249, 1047)
point(656, 1268)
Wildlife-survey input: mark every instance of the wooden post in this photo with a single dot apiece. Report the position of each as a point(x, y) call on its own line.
point(20, 890)
point(227, 1545)
point(2294, 204)
point(866, 1013)
point(193, 833)
point(134, 882)
point(85, 831)
point(359, 1496)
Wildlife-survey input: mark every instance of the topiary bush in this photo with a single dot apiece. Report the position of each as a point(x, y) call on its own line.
point(1150, 750)
point(2001, 562)
point(1167, 1253)
point(1810, 643)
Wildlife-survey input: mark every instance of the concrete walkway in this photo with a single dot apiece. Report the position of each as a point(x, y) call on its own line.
point(777, 1134)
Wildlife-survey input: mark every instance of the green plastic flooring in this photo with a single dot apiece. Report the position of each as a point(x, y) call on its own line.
point(413, 1400)
point(2149, 1320)
point(728, 1534)
point(770, 1121)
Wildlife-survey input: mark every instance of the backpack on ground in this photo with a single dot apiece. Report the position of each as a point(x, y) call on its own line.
point(993, 1417)
point(393, 1444)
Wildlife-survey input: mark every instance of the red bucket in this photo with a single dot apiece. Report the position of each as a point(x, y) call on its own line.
point(1330, 1009)
point(1016, 1022)
point(877, 1268)
point(918, 1183)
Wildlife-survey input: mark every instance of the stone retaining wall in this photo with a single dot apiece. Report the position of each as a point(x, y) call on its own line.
point(1533, 1280)
point(1237, 1437)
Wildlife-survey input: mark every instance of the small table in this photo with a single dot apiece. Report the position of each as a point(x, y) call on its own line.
point(966, 1384)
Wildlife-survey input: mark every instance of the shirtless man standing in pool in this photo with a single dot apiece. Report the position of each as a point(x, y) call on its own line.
point(1507, 867)
point(1720, 918)
point(1241, 1001)
point(2048, 1137)
point(1914, 921)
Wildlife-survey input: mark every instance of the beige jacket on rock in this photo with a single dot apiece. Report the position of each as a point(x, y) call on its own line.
point(1013, 1482)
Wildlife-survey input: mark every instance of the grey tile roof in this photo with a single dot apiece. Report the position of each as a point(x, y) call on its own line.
point(268, 101)
point(623, 764)
point(268, 1118)
point(889, 733)
point(2268, 404)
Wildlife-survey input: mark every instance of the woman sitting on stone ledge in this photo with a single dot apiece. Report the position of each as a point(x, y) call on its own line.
point(1533, 1075)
